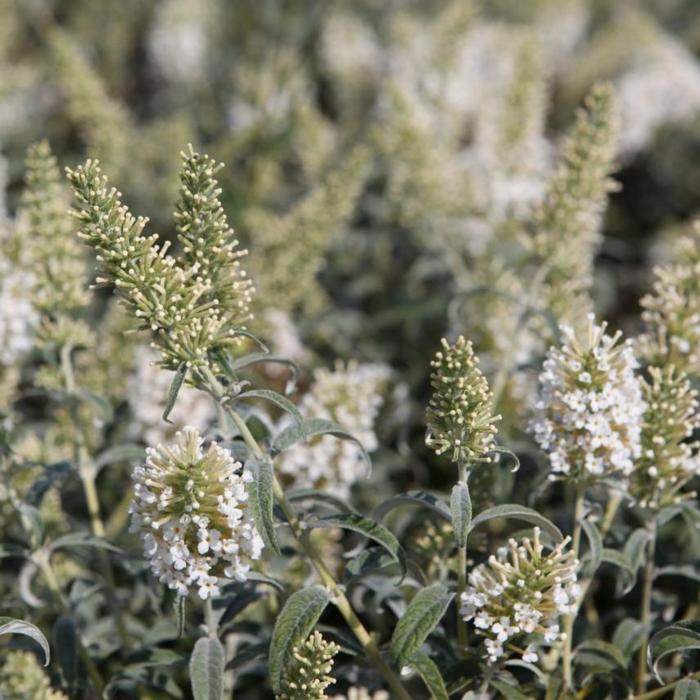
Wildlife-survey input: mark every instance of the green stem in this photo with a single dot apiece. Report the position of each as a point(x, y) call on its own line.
point(462, 633)
point(645, 612)
point(338, 595)
point(569, 619)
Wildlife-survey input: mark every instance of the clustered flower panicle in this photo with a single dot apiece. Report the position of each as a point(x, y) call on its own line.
point(667, 461)
point(190, 507)
point(350, 395)
point(459, 416)
point(57, 259)
point(307, 674)
point(672, 310)
point(22, 678)
point(192, 310)
point(566, 225)
point(589, 411)
point(522, 591)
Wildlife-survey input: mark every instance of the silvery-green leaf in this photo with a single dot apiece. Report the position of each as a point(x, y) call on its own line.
point(294, 624)
point(10, 625)
point(422, 616)
point(129, 452)
point(687, 689)
point(315, 427)
point(174, 390)
point(686, 571)
point(261, 500)
point(595, 541)
point(413, 498)
point(81, 539)
point(676, 638)
point(628, 636)
point(595, 652)
point(65, 639)
point(369, 528)
point(461, 509)
point(280, 401)
point(207, 669)
point(430, 673)
point(508, 691)
point(518, 512)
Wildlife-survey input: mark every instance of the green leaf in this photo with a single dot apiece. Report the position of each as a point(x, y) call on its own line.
point(595, 542)
point(254, 338)
point(461, 509)
point(174, 390)
point(518, 512)
point(207, 669)
point(314, 427)
point(10, 625)
point(262, 501)
point(280, 401)
point(33, 523)
point(628, 636)
point(430, 673)
point(618, 559)
point(257, 577)
point(413, 498)
point(81, 539)
point(324, 497)
point(294, 624)
point(65, 640)
point(370, 529)
point(422, 615)
point(508, 691)
point(676, 638)
point(595, 652)
point(129, 452)
point(686, 571)
point(510, 453)
point(687, 689)
point(259, 357)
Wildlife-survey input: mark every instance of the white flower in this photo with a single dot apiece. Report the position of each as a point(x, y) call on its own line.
point(522, 591)
point(17, 315)
point(350, 396)
point(589, 412)
point(203, 529)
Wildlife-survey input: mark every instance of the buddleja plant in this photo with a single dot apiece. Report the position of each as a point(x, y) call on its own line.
point(243, 527)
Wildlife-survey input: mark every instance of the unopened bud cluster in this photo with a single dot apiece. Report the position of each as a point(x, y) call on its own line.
point(308, 672)
point(194, 305)
point(190, 507)
point(589, 411)
point(520, 595)
point(459, 416)
point(668, 461)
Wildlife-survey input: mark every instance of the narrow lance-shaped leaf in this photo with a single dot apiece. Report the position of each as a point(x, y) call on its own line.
point(174, 390)
point(676, 638)
point(294, 624)
point(461, 509)
point(10, 625)
point(369, 528)
point(595, 542)
point(261, 499)
point(207, 669)
point(422, 616)
point(518, 512)
point(413, 498)
point(280, 401)
point(315, 427)
point(430, 673)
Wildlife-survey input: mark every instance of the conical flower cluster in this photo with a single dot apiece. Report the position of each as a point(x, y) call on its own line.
point(190, 508)
point(308, 672)
point(21, 677)
point(522, 592)
point(194, 306)
point(589, 411)
point(459, 416)
point(672, 310)
point(667, 461)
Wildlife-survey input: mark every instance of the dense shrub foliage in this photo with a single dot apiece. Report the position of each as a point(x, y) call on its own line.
point(425, 425)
